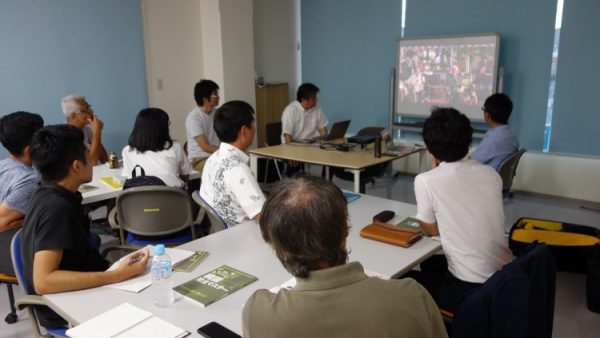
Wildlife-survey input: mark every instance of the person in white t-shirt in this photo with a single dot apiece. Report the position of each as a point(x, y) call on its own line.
point(302, 119)
point(151, 147)
point(228, 184)
point(201, 137)
point(461, 201)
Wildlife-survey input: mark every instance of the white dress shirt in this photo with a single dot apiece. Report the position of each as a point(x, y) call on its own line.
point(302, 124)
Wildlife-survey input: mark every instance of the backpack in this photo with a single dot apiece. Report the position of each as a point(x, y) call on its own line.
point(141, 180)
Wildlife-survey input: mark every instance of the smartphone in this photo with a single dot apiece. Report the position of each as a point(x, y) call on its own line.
point(216, 330)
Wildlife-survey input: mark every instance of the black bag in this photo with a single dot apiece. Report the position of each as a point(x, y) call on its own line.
point(575, 247)
point(141, 180)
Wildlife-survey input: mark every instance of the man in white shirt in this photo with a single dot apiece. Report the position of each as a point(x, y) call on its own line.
point(201, 137)
point(461, 201)
point(228, 184)
point(302, 119)
point(80, 114)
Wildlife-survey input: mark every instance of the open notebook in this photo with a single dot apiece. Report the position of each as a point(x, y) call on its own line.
point(126, 320)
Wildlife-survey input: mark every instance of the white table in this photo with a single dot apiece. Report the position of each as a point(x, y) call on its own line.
point(103, 191)
point(242, 248)
point(354, 161)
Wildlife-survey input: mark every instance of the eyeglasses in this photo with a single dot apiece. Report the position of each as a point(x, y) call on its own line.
point(87, 109)
point(483, 108)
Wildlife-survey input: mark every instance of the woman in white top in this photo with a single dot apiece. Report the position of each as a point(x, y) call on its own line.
point(151, 147)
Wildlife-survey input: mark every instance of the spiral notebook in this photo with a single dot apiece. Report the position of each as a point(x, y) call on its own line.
point(125, 321)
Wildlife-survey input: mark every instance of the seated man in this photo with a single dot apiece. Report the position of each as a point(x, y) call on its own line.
point(461, 201)
point(18, 179)
point(228, 184)
point(302, 119)
point(55, 242)
point(201, 137)
point(79, 114)
point(305, 220)
point(499, 141)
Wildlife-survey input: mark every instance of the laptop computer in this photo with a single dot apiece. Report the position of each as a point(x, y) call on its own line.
point(338, 130)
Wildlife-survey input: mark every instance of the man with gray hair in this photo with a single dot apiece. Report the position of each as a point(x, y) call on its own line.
point(305, 220)
point(79, 114)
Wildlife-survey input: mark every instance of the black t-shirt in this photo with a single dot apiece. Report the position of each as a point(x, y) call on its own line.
point(55, 220)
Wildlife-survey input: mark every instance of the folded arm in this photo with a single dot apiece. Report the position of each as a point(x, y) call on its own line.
point(10, 218)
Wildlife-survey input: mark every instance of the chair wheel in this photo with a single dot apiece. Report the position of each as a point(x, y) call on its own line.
point(11, 318)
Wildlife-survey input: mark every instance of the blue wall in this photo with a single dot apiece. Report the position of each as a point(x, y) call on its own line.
point(50, 49)
point(349, 47)
point(348, 50)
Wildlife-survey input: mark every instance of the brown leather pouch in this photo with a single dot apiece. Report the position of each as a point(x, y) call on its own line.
point(390, 234)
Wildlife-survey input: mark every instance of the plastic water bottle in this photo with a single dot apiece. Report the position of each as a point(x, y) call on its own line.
point(161, 270)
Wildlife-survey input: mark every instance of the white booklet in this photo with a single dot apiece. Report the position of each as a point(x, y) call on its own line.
point(128, 321)
point(144, 280)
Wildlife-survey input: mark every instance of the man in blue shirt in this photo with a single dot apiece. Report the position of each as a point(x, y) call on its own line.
point(499, 141)
point(18, 179)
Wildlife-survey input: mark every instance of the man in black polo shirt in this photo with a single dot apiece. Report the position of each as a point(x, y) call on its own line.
point(55, 243)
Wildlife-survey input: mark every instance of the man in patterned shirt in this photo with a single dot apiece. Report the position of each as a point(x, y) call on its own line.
point(228, 184)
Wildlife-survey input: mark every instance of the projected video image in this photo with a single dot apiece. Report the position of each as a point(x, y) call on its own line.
point(448, 75)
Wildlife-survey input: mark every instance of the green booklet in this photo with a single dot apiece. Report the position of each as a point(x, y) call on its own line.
point(413, 224)
point(191, 262)
point(215, 284)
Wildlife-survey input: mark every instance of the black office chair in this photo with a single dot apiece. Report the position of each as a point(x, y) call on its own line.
point(273, 138)
point(508, 169)
point(216, 222)
point(368, 175)
point(7, 273)
point(155, 214)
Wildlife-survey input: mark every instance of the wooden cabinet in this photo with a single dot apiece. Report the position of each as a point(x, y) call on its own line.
point(270, 102)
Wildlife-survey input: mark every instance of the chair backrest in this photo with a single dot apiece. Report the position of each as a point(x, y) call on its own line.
point(154, 211)
point(17, 259)
point(273, 134)
point(216, 222)
point(517, 301)
point(508, 168)
point(6, 265)
point(540, 265)
point(499, 308)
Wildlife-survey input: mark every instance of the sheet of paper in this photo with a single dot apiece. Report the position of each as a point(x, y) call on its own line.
point(289, 284)
point(144, 280)
point(111, 322)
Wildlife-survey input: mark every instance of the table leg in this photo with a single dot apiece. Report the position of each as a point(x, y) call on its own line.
point(356, 173)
